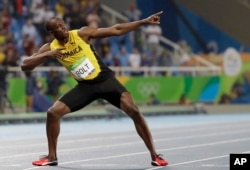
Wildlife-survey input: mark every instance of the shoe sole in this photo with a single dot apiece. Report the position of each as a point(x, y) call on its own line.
point(47, 164)
point(50, 164)
point(153, 163)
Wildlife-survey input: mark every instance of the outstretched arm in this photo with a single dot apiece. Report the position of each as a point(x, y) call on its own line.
point(118, 29)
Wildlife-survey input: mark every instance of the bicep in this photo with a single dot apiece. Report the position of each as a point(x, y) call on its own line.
point(44, 48)
point(105, 32)
point(89, 32)
point(29, 63)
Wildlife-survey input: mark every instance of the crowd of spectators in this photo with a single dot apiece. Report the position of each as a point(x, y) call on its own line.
point(22, 32)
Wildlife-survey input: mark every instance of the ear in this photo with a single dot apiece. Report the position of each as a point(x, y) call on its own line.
point(51, 33)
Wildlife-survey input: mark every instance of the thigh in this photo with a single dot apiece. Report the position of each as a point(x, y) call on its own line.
point(79, 96)
point(111, 90)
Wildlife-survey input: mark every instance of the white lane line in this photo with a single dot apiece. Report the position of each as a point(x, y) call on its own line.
point(215, 166)
point(121, 136)
point(129, 143)
point(94, 159)
point(170, 149)
point(189, 162)
point(198, 160)
point(17, 165)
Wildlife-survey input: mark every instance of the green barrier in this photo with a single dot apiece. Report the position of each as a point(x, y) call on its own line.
point(16, 91)
point(195, 86)
point(169, 89)
point(166, 89)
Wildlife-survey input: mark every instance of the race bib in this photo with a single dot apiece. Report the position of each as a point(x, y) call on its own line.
point(82, 68)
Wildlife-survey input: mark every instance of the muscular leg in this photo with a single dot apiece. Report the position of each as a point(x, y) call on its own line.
point(129, 107)
point(83, 94)
point(53, 126)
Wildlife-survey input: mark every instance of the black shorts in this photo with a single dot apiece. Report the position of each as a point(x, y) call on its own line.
point(85, 92)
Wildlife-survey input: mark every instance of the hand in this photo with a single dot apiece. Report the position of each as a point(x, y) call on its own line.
point(153, 19)
point(56, 53)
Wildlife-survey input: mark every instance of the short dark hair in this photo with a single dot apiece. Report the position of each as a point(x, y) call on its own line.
point(47, 24)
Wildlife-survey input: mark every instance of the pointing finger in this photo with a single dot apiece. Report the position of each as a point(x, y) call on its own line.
point(158, 13)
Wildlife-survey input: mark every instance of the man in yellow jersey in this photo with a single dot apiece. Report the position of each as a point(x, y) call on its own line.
point(95, 80)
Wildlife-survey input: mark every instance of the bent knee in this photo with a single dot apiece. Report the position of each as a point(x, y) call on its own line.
point(53, 113)
point(58, 110)
point(133, 111)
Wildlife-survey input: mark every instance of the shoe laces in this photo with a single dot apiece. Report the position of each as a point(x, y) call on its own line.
point(160, 156)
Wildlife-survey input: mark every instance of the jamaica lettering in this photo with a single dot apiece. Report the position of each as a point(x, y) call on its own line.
point(72, 52)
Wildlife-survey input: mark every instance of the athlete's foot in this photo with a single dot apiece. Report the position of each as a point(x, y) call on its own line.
point(44, 161)
point(159, 161)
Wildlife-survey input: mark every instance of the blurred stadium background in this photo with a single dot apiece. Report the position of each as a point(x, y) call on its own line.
point(197, 60)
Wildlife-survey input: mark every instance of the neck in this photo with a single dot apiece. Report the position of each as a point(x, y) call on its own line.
point(64, 41)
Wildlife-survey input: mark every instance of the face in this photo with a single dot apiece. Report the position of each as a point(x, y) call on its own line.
point(59, 29)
